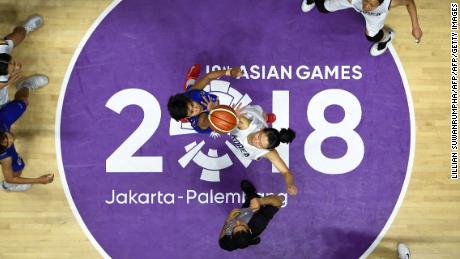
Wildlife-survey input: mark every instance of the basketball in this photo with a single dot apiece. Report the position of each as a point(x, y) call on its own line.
point(222, 119)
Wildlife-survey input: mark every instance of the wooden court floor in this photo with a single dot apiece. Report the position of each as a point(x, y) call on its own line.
point(39, 223)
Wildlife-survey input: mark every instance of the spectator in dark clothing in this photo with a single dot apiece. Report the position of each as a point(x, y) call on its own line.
point(243, 226)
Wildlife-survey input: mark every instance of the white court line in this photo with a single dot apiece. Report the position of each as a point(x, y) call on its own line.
point(57, 127)
point(411, 154)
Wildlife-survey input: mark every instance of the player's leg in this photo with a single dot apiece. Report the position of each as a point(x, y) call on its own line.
point(12, 111)
point(250, 192)
point(192, 75)
point(31, 82)
point(325, 6)
point(17, 36)
point(377, 32)
point(19, 33)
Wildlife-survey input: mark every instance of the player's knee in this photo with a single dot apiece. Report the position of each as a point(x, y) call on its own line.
point(26, 102)
point(22, 95)
point(377, 37)
point(23, 100)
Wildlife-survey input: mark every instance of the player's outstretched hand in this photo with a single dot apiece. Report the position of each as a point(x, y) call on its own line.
point(238, 108)
point(236, 72)
point(209, 103)
point(46, 178)
point(14, 77)
point(254, 204)
point(417, 33)
point(17, 67)
point(15, 73)
point(291, 189)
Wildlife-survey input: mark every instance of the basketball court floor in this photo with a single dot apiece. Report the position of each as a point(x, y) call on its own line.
point(96, 51)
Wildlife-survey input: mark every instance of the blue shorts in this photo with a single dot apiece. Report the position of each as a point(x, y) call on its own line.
point(17, 164)
point(10, 113)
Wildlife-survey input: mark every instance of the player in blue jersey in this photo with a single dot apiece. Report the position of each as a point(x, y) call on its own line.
point(194, 104)
point(12, 164)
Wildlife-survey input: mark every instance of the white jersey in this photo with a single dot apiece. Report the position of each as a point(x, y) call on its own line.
point(6, 47)
point(375, 20)
point(240, 137)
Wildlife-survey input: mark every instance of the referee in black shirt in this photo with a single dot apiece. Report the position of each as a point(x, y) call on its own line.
point(243, 226)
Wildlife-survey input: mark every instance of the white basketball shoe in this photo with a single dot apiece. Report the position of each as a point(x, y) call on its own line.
point(12, 187)
point(403, 251)
point(379, 48)
point(33, 82)
point(306, 6)
point(34, 22)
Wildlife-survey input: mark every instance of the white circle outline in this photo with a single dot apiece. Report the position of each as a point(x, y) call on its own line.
point(57, 128)
point(74, 209)
point(410, 163)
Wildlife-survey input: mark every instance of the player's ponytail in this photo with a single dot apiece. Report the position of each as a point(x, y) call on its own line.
point(287, 135)
point(276, 137)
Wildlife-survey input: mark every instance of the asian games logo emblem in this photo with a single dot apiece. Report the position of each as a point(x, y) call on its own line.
point(211, 162)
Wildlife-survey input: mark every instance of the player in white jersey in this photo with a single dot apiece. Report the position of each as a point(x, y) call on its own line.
point(255, 140)
point(9, 68)
point(374, 12)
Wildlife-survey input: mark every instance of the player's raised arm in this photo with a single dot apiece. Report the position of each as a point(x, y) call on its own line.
point(201, 84)
point(276, 160)
point(12, 178)
point(412, 10)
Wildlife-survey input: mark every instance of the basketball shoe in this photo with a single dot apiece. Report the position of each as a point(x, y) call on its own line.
point(192, 75)
point(379, 48)
point(12, 187)
point(33, 82)
point(307, 5)
point(34, 22)
point(403, 251)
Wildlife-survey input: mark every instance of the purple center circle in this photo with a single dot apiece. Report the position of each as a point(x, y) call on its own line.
point(145, 48)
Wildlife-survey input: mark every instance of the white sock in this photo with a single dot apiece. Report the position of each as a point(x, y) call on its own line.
point(190, 82)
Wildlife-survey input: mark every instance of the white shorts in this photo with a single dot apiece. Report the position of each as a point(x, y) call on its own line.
point(6, 46)
point(375, 20)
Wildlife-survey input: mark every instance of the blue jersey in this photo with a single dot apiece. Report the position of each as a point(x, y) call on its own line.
point(9, 113)
point(199, 96)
